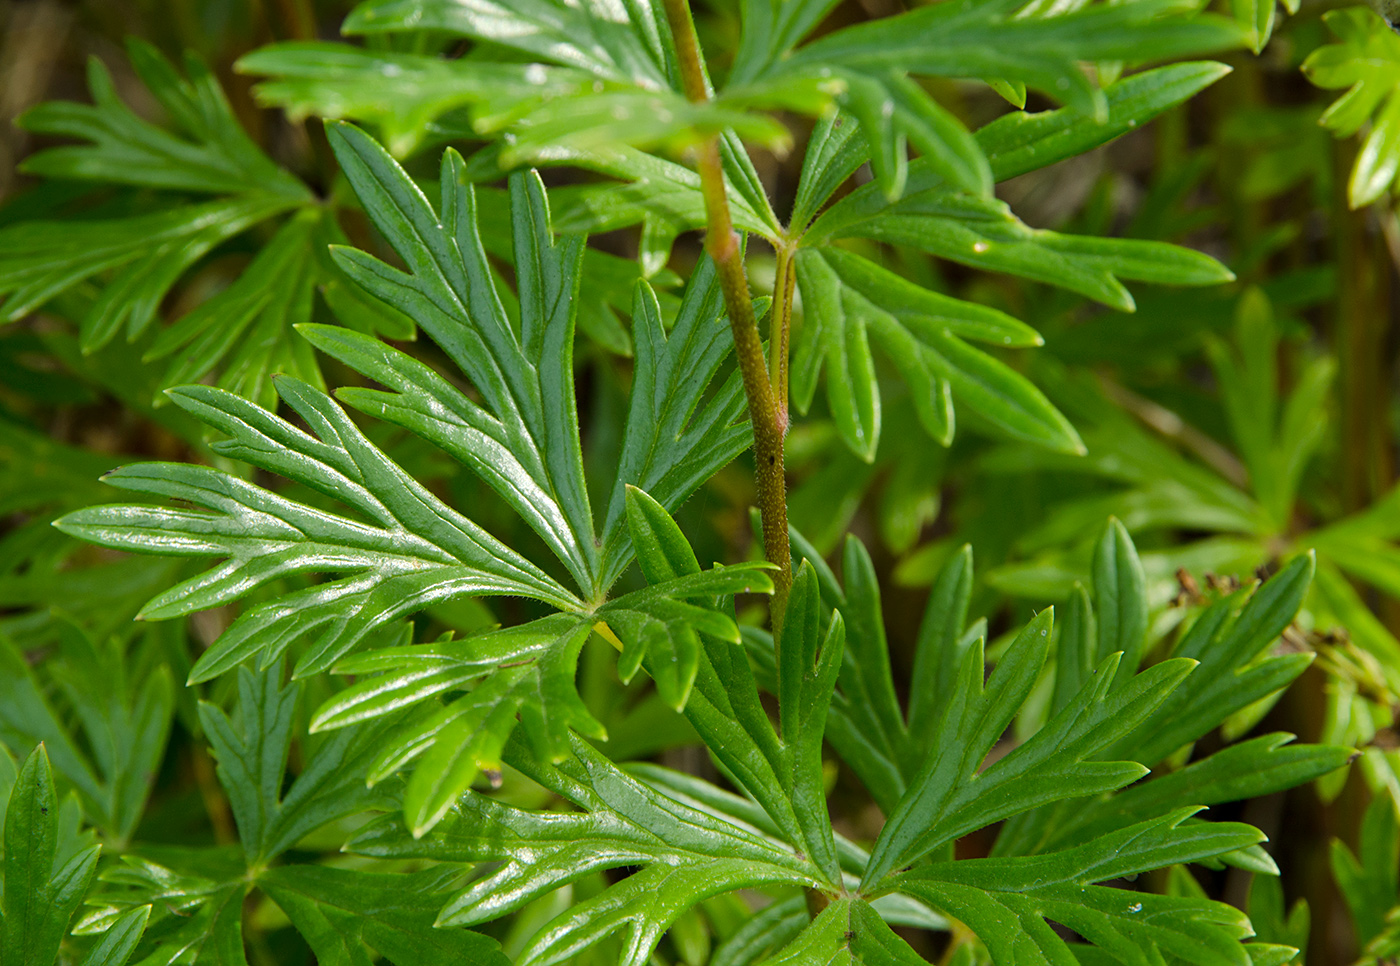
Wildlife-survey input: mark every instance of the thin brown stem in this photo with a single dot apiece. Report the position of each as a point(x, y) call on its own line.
point(722, 244)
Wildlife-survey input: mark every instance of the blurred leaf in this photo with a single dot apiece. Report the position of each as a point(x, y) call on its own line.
point(209, 154)
point(1366, 61)
point(341, 911)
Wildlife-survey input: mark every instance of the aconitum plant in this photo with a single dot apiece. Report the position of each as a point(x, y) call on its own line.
point(415, 648)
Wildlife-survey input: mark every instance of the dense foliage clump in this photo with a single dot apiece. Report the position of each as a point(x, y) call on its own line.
point(426, 541)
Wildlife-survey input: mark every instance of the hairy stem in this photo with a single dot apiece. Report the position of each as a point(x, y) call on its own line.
point(784, 283)
point(722, 243)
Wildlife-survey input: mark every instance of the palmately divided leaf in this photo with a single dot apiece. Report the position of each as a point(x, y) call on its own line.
point(1228, 639)
point(1366, 61)
point(341, 911)
point(252, 762)
point(524, 376)
point(1246, 770)
point(401, 94)
point(686, 855)
point(1019, 142)
point(950, 797)
point(529, 671)
point(244, 331)
point(124, 724)
point(675, 438)
point(847, 299)
point(978, 38)
point(619, 42)
point(211, 154)
point(983, 233)
point(146, 252)
point(1007, 902)
point(404, 547)
point(524, 441)
point(43, 882)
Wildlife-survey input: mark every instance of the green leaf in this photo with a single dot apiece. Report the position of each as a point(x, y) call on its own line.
point(1369, 884)
point(43, 885)
point(208, 154)
point(868, 727)
point(543, 694)
point(1120, 599)
point(663, 193)
point(1020, 142)
point(770, 927)
point(987, 39)
point(941, 645)
point(840, 318)
point(40, 260)
point(836, 148)
point(983, 233)
point(248, 326)
point(252, 762)
point(893, 110)
point(1366, 61)
point(124, 723)
point(525, 377)
point(848, 299)
point(1077, 647)
point(119, 942)
point(684, 855)
point(626, 48)
point(770, 29)
point(950, 797)
point(808, 664)
point(343, 914)
point(415, 551)
point(401, 94)
point(1257, 19)
point(192, 918)
point(142, 256)
point(663, 553)
point(640, 118)
point(675, 436)
point(1246, 770)
point(1228, 639)
point(1007, 902)
point(527, 670)
point(1248, 378)
point(659, 623)
point(849, 932)
point(1267, 915)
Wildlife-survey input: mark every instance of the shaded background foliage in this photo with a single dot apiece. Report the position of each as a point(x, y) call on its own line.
point(1227, 426)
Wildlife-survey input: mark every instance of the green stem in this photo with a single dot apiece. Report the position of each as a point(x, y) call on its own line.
point(722, 243)
point(784, 284)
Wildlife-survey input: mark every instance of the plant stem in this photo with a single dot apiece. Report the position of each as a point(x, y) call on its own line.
point(784, 284)
point(722, 244)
